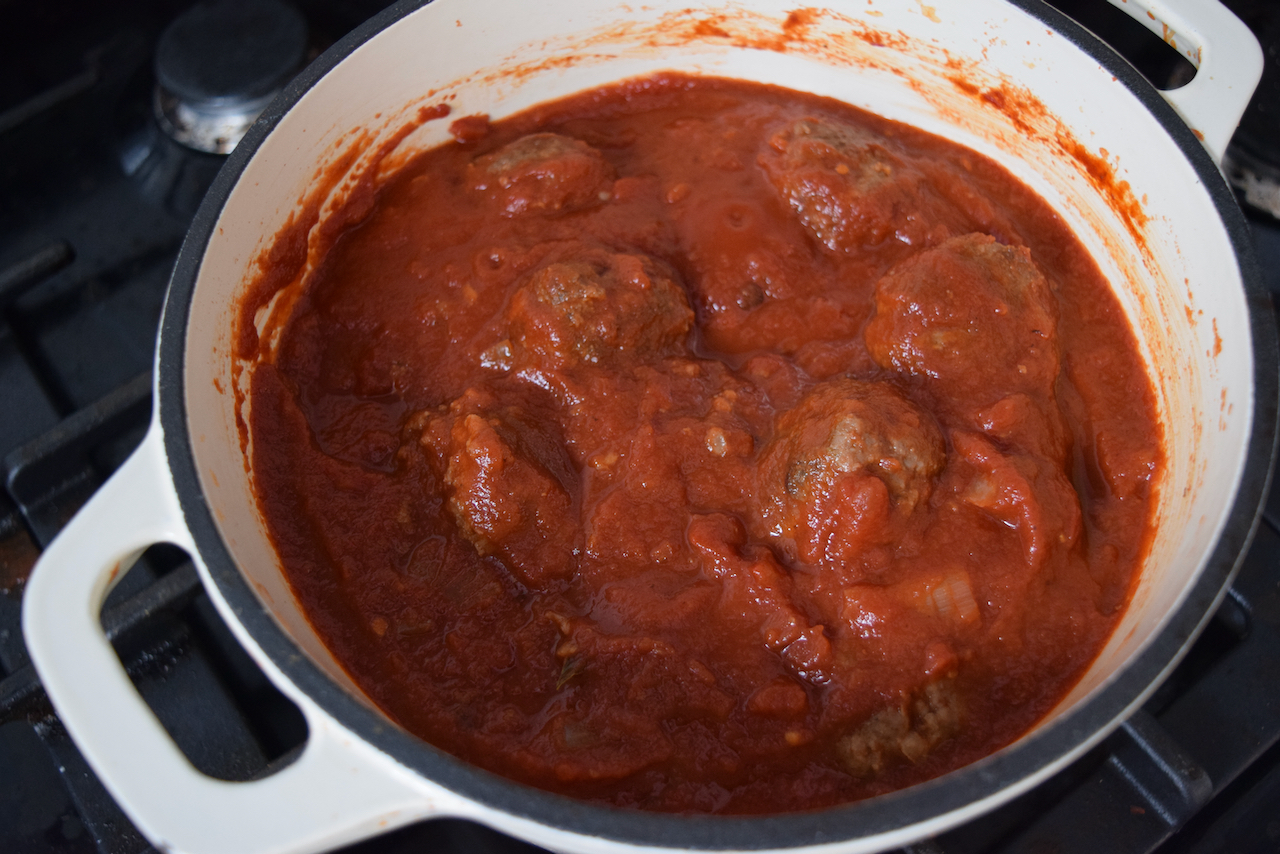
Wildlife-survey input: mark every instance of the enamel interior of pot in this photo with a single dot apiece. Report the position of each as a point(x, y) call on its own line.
point(1083, 141)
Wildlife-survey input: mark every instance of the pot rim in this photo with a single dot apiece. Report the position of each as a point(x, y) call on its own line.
point(1030, 758)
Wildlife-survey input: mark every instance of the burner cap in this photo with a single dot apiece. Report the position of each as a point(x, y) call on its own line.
point(220, 63)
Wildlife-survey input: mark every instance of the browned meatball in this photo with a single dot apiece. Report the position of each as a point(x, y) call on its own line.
point(971, 314)
point(510, 483)
point(543, 172)
point(846, 187)
point(909, 731)
point(843, 462)
point(596, 304)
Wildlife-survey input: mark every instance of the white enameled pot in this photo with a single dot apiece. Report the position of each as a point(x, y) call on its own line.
point(1133, 172)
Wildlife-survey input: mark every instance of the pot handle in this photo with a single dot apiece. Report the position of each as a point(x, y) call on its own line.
point(1225, 53)
point(338, 790)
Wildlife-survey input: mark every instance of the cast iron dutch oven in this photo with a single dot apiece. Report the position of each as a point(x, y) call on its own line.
point(1134, 173)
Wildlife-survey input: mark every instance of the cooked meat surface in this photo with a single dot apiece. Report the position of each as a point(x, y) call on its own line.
point(969, 315)
point(843, 462)
point(543, 172)
point(846, 187)
point(594, 305)
point(510, 484)
point(907, 731)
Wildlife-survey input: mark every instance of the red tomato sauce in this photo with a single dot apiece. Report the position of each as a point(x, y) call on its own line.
point(694, 445)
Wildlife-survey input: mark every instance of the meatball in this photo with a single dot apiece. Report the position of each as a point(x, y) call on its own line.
point(846, 188)
point(596, 745)
point(757, 588)
point(543, 172)
point(972, 315)
point(843, 462)
point(511, 486)
point(594, 304)
point(1024, 491)
point(909, 730)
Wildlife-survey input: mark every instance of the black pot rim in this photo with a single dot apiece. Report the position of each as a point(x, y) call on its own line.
point(986, 779)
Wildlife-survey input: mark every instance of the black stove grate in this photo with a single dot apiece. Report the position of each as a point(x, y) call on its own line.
point(87, 240)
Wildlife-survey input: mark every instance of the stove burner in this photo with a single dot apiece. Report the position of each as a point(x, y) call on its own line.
point(1256, 179)
point(1252, 162)
point(219, 64)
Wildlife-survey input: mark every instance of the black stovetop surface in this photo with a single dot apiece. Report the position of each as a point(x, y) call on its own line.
point(93, 206)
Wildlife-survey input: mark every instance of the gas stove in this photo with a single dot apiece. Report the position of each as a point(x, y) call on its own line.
point(113, 121)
